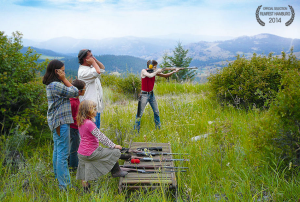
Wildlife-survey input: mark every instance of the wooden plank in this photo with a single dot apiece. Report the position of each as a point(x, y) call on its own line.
point(138, 187)
point(140, 180)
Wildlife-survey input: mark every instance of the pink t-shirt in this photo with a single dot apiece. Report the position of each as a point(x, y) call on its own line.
point(90, 136)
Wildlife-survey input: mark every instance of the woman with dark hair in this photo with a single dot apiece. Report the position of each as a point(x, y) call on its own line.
point(59, 117)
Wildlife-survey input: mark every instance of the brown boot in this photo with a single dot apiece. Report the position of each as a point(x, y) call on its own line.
point(117, 172)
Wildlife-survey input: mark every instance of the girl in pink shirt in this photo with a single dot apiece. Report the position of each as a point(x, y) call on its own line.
point(95, 161)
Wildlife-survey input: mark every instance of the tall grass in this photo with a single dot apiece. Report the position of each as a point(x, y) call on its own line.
point(224, 164)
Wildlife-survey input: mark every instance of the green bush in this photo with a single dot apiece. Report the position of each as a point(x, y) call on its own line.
point(253, 82)
point(109, 80)
point(287, 107)
point(287, 103)
point(23, 100)
point(128, 84)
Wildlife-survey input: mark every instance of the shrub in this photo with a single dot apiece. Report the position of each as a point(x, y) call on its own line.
point(253, 82)
point(128, 84)
point(109, 80)
point(22, 95)
point(287, 107)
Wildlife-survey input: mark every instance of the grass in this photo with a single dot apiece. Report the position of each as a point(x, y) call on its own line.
point(224, 166)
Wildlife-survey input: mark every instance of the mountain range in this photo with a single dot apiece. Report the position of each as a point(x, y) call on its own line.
point(207, 55)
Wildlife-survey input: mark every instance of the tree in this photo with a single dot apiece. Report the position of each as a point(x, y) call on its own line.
point(23, 100)
point(179, 59)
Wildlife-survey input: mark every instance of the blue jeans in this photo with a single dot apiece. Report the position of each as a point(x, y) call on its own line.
point(60, 155)
point(143, 100)
point(74, 144)
point(97, 118)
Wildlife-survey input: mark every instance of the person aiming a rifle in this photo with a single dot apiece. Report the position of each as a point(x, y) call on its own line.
point(147, 95)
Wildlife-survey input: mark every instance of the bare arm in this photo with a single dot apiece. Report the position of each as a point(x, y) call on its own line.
point(91, 61)
point(150, 75)
point(99, 63)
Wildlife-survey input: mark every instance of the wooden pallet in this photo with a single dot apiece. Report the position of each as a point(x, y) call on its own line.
point(153, 180)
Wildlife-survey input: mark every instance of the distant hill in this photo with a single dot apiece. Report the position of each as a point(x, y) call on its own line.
point(211, 55)
point(133, 46)
point(131, 53)
point(46, 52)
point(119, 63)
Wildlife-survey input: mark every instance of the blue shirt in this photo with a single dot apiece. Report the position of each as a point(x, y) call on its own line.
point(59, 107)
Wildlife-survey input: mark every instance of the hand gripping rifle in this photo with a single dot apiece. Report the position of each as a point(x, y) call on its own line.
point(150, 171)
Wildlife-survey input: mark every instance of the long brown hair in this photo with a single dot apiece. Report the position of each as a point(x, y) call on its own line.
point(50, 74)
point(86, 111)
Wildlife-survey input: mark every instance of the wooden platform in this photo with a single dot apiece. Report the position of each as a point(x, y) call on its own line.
point(154, 180)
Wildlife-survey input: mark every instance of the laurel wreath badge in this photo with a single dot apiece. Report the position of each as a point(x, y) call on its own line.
point(257, 16)
point(292, 18)
point(262, 23)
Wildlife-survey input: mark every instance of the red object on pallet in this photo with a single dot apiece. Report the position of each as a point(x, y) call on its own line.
point(135, 161)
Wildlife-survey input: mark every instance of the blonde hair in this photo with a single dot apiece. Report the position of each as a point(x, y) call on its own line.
point(86, 111)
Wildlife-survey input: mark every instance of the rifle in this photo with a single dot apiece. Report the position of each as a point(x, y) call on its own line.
point(172, 68)
point(141, 149)
point(156, 153)
point(150, 171)
point(144, 153)
point(157, 160)
point(175, 68)
point(149, 148)
point(152, 167)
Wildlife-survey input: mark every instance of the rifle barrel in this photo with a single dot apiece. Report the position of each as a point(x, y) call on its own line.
point(152, 167)
point(150, 171)
point(172, 68)
point(156, 153)
point(158, 160)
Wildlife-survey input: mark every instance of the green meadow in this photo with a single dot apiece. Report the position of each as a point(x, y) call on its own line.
point(227, 160)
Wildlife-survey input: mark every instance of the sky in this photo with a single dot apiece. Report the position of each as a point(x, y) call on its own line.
point(99, 19)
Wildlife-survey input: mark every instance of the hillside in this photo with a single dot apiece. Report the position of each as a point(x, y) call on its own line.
point(46, 53)
point(212, 55)
point(119, 63)
point(131, 53)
